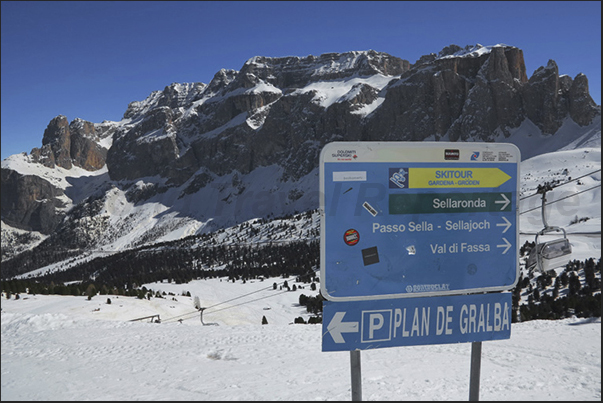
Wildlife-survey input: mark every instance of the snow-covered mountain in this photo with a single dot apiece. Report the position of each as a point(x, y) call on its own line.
point(197, 158)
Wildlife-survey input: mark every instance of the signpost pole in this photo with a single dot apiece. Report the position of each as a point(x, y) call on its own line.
point(356, 375)
point(476, 359)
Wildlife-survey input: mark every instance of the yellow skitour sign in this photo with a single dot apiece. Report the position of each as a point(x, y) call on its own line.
point(421, 178)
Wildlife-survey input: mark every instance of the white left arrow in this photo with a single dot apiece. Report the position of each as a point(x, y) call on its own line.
point(507, 245)
point(336, 327)
point(506, 224)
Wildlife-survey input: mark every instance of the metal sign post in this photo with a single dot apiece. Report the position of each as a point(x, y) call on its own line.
point(356, 375)
point(419, 242)
point(476, 362)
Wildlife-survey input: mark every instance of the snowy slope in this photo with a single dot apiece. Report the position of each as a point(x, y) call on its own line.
point(68, 348)
point(532, 142)
point(77, 183)
point(15, 240)
point(131, 224)
point(571, 172)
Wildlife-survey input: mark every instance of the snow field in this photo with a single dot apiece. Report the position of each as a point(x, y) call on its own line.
point(62, 348)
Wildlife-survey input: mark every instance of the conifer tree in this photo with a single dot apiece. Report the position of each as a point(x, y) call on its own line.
point(90, 291)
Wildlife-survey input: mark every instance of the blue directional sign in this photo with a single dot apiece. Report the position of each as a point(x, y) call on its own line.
point(413, 219)
point(363, 325)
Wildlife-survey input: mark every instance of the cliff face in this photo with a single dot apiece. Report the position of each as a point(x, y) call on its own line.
point(271, 111)
point(67, 145)
point(476, 95)
point(30, 202)
point(241, 120)
point(204, 141)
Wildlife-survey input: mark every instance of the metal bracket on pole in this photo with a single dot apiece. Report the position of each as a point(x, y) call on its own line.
point(356, 375)
point(476, 361)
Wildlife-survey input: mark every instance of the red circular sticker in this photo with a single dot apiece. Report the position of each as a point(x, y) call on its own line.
point(351, 237)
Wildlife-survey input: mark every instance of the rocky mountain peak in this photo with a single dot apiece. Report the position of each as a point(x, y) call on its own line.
point(57, 140)
point(550, 98)
point(298, 71)
point(253, 117)
point(179, 95)
point(453, 49)
point(67, 144)
point(202, 149)
point(221, 80)
point(582, 108)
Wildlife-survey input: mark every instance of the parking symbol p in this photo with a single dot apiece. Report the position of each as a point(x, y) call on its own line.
point(376, 325)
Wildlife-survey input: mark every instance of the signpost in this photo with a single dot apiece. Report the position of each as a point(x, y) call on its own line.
point(419, 241)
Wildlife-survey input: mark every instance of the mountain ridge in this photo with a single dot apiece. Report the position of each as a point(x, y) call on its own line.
point(202, 157)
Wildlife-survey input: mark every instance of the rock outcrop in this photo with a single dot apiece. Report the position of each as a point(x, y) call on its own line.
point(67, 144)
point(29, 202)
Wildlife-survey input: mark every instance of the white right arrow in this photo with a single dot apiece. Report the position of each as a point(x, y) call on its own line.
point(506, 224)
point(507, 245)
point(336, 327)
point(505, 202)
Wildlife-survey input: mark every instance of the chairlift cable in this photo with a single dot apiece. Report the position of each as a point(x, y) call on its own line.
point(246, 302)
point(564, 183)
point(244, 295)
point(575, 179)
point(545, 255)
point(563, 198)
point(228, 307)
point(178, 316)
point(223, 302)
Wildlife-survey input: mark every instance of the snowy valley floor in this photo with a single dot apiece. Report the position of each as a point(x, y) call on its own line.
point(68, 348)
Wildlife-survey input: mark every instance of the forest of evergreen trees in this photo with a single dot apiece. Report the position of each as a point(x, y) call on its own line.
point(64, 249)
point(575, 291)
point(124, 272)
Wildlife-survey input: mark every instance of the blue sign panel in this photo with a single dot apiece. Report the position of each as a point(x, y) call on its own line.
point(407, 219)
point(363, 325)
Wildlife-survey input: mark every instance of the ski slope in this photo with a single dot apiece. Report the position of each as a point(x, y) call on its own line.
point(69, 348)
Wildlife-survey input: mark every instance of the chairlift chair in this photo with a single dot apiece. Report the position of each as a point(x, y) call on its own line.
point(551, 254)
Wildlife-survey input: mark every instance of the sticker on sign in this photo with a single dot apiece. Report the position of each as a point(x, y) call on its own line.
point(349, 176)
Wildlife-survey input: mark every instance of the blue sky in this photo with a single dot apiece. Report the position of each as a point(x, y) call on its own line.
point(90, 59)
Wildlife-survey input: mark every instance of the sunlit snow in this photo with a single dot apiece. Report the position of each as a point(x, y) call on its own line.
point(69, 348)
